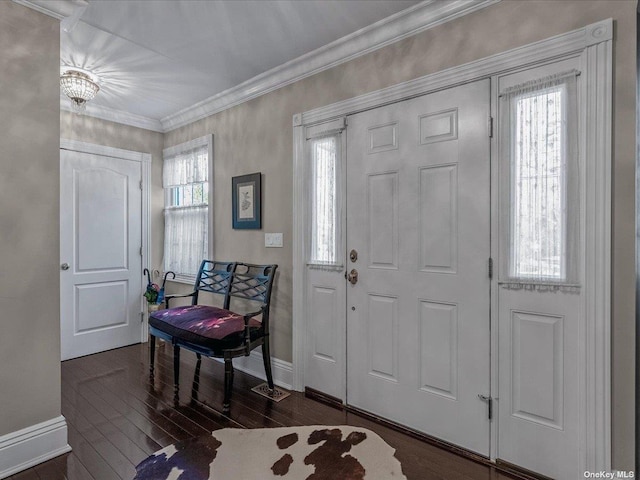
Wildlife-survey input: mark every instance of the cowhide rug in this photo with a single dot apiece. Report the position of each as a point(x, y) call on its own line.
point(290, 453)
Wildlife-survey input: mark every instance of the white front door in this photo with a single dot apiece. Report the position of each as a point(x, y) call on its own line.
point(100, 253)
point(418, 216)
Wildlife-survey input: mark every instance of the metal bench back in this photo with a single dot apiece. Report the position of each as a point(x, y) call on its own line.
point(214, 277)
point(253, 282)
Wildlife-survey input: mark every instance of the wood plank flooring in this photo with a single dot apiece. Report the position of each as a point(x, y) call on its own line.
point(116, 418)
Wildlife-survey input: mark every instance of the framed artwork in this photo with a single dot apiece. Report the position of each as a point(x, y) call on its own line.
point(246, 201)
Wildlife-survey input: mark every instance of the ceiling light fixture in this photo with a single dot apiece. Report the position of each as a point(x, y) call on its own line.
point(80, 87)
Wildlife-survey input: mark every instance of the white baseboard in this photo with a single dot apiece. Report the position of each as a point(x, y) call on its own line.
point(32, 445)
point(282, 371)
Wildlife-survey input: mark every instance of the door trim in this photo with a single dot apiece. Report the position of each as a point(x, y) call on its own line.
point(145, 161)
point(595, 42)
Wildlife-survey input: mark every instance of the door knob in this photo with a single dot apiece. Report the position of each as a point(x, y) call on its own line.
point(64, 266)
point(352, 276)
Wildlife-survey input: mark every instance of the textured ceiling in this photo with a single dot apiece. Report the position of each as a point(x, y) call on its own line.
point(156, 57)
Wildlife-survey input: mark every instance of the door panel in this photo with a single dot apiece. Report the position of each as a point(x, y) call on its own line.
point(439, 348)
point(536, 360)
point(538, 408)
point(101, 219)
point(418, 213)
point(100, 225)
point(325, 339)
point(382, 339)
point(382, 213)
point(439, 218)
point(325, 300)
point(541, 349)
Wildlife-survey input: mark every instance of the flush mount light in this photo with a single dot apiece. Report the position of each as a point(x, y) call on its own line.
point(80, 87)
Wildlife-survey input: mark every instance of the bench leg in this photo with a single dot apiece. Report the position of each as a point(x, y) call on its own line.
point(152, 354)
point(196, 378)
point(266, 358)
point(228, 384)
point(176, 373)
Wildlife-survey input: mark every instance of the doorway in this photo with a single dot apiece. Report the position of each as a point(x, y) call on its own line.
point(417, 303)
point(101, 249)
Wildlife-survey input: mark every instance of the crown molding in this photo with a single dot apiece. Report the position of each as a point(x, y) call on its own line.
point(117, 116)
point(560, 45)
point(59, 9)
point(406, 23)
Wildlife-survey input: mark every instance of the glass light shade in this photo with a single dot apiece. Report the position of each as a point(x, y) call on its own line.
point(79, 87)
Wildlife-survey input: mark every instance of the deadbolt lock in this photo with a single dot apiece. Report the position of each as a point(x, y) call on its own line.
point(353, 256)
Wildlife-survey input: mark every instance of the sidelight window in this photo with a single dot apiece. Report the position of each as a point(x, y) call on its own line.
point(325, 152)
point(541, 205)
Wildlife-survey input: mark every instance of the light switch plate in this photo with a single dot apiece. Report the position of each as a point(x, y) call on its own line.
point(273, 240)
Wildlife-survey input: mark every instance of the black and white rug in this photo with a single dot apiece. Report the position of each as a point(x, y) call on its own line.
point(289, 453)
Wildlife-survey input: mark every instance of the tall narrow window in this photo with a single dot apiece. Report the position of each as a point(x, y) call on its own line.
point(539, 186)
point(186, 213)
point(542, 205)
point(324, 202)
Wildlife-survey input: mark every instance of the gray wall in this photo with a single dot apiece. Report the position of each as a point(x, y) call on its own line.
point(29, 218)
point(257, 136)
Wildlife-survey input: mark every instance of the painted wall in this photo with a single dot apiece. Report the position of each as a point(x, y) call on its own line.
point(29, 216)
point(101, 132)
point(257, 136)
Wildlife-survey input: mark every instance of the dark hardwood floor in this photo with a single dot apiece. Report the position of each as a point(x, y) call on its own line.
point(116, 418)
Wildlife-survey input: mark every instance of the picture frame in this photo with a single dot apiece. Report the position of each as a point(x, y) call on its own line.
point(246, 201)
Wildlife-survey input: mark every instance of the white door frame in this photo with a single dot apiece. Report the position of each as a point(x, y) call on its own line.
point(145, 160)
point(595, 43)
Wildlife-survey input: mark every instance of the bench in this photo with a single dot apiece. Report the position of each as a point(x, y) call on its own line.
point(218, 332)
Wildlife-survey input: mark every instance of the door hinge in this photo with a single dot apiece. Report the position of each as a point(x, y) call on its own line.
point(140, 251)
point(490, 267)
point(490, 126)
point(140, 184)
point(489, 401)
point(141, 317)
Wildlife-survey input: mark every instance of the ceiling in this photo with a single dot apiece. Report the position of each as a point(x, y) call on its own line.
point(157, 57)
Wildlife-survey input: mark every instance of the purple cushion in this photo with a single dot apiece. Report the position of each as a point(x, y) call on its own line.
point(211, 327)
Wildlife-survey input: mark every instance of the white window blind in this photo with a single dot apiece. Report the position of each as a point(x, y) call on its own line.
point(325, 225)
point(186, 213)
point(540, 211)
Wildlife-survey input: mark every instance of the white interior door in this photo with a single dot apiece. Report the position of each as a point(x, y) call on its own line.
point(100, 253)
point(418, 215)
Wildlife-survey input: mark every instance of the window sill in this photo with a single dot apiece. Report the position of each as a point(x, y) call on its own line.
point(185, 279)
point(325, 266)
